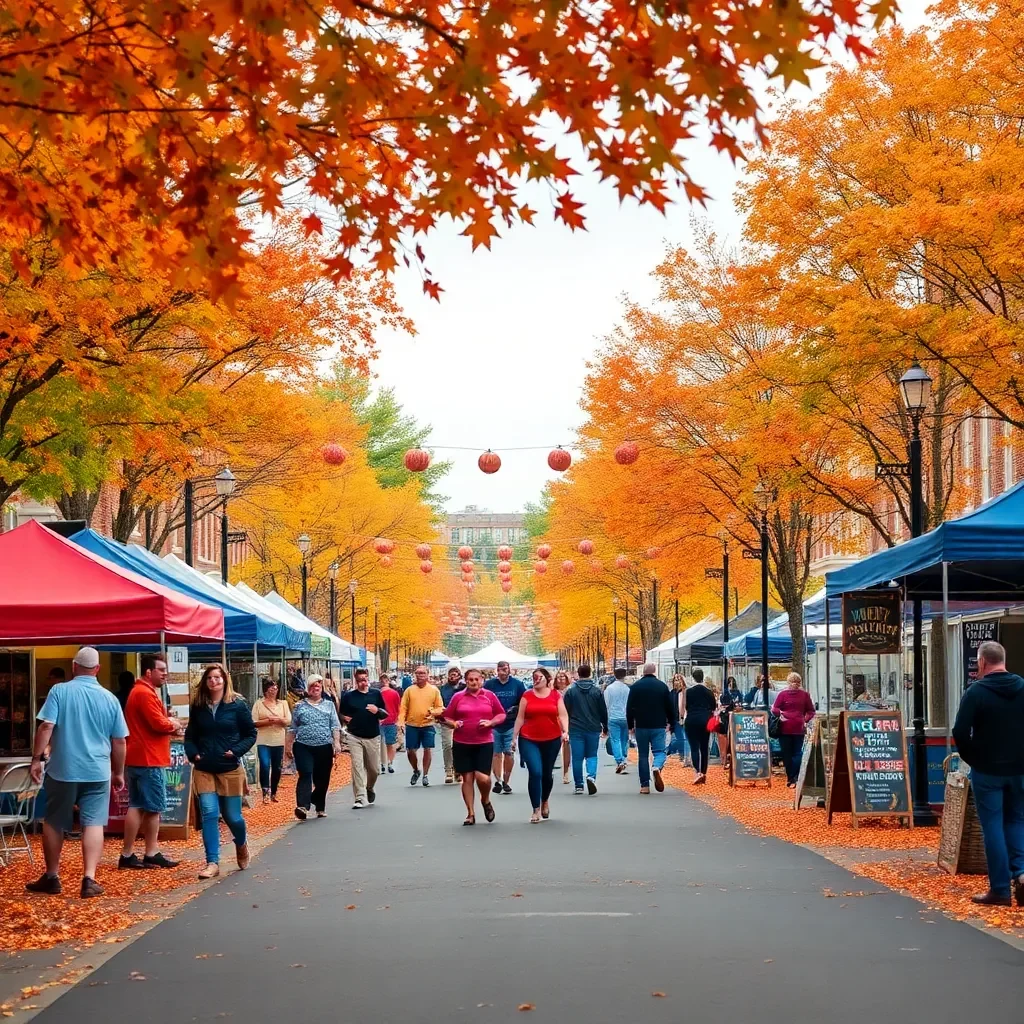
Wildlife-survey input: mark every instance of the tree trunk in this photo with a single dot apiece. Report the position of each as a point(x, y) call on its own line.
point(79, 504)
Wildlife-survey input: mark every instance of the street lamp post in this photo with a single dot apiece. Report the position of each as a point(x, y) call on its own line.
point(189, 525)
point(225, 481)
point(303, 543)
point(332, 618)
point(352, 584)
point(627, 637)
point(615, 631)
point(376, 642)
point(916, 386)
point(724, 537)
point(763, 497)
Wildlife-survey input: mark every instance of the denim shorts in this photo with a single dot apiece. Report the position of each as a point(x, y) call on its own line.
point(390, 733)
point(147, 789)
point(92, 798)
point(417, 736)
point(503, 740)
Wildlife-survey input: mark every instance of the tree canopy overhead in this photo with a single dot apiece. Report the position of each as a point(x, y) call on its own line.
point(380, 118)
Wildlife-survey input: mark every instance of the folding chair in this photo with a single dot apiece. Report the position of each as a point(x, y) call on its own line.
point(20, 791)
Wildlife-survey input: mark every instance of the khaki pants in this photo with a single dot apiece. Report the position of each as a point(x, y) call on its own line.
point(365, 754)
point(447, 738)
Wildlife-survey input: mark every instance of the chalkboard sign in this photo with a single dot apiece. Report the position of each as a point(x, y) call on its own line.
point(815, 764)
point(869, 774)
point(975, 634)
point(751, 752)
point(871, 622)
point(174, 822)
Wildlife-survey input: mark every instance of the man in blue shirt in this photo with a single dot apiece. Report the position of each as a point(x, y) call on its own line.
point(84, 727)
point(509, 692)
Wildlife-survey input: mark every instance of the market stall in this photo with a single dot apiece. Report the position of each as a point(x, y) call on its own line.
point(489, 656)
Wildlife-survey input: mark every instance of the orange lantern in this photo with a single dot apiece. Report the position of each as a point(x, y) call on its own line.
point(489, 462)
point(627, 453)
point(465, 553)
point(333, 454)
point(416, 460)
point(426, 568)
point(505, 553)
point(504, 567)
point(653, 552)
point(559, 459)
point(423, 551)
point(540, 566)
point(467, 577)
point(595, 565)
point(385, 561)
point(585, 547)
point(383, 546)
point(506, 585)
point(504, 576)
point(621, 562)
point(467, 566)
point(544, 551)
point(567, 567)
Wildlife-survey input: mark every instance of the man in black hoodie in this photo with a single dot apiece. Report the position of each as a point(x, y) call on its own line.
point(588, 721)
point(989, 736)
point(650, 711)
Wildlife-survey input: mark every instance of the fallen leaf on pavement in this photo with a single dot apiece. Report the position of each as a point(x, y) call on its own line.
point(298, 965)
point(351, 906)
point(524, 1007)
point(136, 976)
point(658, 995)
point(769, 961)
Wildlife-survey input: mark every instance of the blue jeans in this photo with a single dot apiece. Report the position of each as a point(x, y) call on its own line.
point(540, 757)
point(650, 741)
point(270, 768)
point(1000, 803)
point(678, 744)
point(583, 745)
point(618, 733)
point(214, 807)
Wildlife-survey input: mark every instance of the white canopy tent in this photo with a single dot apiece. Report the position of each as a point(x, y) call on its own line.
point(341, 650)
point(664, 654)
point(489, 656)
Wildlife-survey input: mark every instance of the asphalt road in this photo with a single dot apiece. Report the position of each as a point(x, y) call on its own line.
point(398, 915)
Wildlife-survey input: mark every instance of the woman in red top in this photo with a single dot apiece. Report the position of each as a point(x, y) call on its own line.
point(795, 706)
point(544, 725)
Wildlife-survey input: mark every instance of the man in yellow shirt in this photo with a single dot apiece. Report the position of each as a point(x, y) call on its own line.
point(421, 704)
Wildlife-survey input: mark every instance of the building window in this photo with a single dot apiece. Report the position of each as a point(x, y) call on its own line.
point(985, 445)
point(1007, 456)
point(455, 535)
point(499, 535)
point(469, 534)
point(967, 444)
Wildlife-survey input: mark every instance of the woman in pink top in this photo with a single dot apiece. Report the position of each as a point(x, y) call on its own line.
point(795, 706)
point(472, 713)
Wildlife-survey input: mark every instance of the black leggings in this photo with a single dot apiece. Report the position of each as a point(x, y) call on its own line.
point(314, 767)
point(699, 739)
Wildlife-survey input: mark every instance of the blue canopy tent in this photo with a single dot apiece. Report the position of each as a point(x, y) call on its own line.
point(439, 659)
point(708, 648)
point(243, 629)
point(548, 660)
point(780, 646)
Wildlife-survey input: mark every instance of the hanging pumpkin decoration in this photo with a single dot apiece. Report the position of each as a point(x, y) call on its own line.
point(333, 454)
point(423, 551)
point(568, 567)
point(621, 562)
point(595, 565)
point(465, 553)
point(544, 551)
point(585, 547)
point(385, 561)
point(506, 585)
point(540, 566)
point(504, 566)
point(467, 566)
point(559, 459)
point(416, 460)
point(489, 462)
point(426, 568)
point(505, 576)
point(627, 453)
point(467, 577)
point(505, 553)
point(383, 546)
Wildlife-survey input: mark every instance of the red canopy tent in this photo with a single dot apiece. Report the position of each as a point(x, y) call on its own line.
point(54, 592)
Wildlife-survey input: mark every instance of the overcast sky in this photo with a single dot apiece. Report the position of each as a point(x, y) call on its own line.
point(500, 361)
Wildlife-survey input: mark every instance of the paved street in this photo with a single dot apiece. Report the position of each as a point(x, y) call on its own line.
point(584, 917)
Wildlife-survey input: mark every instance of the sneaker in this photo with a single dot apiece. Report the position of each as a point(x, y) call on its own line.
point(358, 805)
point(1018, 890)
point(426, 781)
point(619, 769)
point(449, 780)
point(370, 796)
point(45, 885)
point(591, 785)
point(506, 788)
point(497, 787)
point(579, 791)
point(645, 790)
point(659, 782)
point(300, 813)
point(90, 888)
point(131, 862)
point(415, 777)
point(391, 769)
point(210, 871)
point(383, 769)
point(158, 860)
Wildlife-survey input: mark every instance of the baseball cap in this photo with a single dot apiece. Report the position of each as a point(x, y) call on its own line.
point(87, 657)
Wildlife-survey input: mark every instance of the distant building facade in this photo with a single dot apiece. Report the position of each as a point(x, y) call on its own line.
point(475, 525)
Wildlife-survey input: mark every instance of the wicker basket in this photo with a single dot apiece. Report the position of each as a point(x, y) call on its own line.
point(961, 846)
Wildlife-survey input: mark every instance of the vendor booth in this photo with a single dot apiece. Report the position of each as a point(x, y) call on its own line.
point(489, 656)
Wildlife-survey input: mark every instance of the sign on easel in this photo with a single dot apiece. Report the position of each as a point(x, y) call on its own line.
point(869, 772)
point(815, 764)
point(174, 821)
point(751, 751)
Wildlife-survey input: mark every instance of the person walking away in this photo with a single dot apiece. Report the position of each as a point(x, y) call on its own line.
point(362, 710)
point(989, 736)
point(421, 703)
point(561, 683)
point(471, 715)
point(615, 697)
point(650, 714)
point(509, 690)
point(84, 727)
point(542, 726)
point(148, 757)
point(271, 718)
point(796, 709)
point(678, 744)
point(389, 726)
point(220, 730)
point(588, 722)
point(699, 704)
point(452, 685)
point(316, 742)
point(125, 685)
